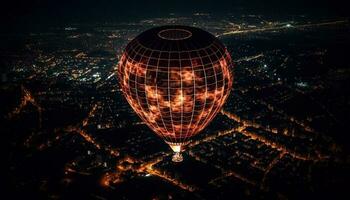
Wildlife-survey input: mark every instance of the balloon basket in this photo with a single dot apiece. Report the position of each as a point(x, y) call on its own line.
point(177, 148)
point(177, 157)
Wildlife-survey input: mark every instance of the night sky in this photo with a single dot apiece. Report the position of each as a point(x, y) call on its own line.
point(21, 12)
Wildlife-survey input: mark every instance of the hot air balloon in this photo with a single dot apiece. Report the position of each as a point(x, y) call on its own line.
point(176, 78)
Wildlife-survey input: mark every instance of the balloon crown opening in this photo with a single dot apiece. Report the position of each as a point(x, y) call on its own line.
point(174, 34)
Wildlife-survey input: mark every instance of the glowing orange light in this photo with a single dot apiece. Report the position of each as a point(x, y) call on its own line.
point(176, 81)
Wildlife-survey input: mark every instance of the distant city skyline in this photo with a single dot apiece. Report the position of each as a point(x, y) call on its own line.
point(45, 12)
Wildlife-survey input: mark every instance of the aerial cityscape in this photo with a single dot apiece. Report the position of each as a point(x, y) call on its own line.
point(282, 133)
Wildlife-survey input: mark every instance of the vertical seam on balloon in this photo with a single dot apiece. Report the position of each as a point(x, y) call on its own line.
point(128, 88)
point(137, 64)
point(161, 116)
point(210, 113)
point(194, 94)
point(206, 90)
point(149, 58)
point(182, 97)
point(169, 97)
point(223, 77)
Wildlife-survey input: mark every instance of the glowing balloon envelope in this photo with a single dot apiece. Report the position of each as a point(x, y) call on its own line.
point(176, 78)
